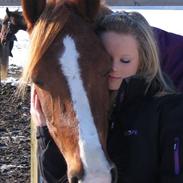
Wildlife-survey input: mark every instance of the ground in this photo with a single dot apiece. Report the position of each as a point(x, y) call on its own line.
point(14, 133)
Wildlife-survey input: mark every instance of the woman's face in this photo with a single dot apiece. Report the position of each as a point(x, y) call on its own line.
point(123, 49)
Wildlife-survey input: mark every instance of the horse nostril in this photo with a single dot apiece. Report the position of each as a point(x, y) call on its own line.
point(114, 174)
point(3, 42)
point(75, 176)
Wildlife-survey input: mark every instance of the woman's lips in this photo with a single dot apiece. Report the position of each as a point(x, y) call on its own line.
point(114, 77)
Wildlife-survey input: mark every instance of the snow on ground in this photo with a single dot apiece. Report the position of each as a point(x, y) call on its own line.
point(20, 49)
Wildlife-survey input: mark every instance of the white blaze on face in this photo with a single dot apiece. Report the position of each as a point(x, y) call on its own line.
point(96, 166)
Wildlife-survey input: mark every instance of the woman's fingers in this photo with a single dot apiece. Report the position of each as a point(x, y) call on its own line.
point(33, 92)
point(36, 109)
point(37, 103)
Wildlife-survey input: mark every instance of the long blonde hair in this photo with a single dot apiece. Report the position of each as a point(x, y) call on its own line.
point(135, 24)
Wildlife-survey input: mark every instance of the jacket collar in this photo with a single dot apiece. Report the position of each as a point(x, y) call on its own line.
point(137, 87)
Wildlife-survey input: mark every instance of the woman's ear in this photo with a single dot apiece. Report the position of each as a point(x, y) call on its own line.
point(32, 10)
point(85, 8)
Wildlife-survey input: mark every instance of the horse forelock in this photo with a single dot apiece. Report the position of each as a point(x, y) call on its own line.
point(42, 36)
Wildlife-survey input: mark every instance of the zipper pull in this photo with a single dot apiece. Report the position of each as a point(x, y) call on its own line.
point(175, 146)
point(176, 156)
point(112, 125)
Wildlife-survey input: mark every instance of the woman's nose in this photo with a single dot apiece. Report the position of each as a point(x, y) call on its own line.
point(114, 66)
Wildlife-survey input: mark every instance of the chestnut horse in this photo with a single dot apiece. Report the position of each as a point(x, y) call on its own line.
point(68, 66)
point(4, 57)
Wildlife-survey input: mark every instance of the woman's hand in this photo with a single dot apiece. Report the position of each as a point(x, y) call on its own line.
point(36, 110)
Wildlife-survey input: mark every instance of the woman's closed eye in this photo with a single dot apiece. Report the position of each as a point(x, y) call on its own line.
point(125, 61)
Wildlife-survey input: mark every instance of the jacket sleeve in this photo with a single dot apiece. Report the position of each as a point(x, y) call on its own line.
point(52, 166)
point(171, 140)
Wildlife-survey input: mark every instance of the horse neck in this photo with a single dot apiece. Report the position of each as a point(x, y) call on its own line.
point(22, 25)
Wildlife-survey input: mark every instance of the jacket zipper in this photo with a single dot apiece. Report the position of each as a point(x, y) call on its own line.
point(176, 156)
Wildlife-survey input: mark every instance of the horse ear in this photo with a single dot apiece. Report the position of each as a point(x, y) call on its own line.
point(86, 8)
point(32, 10)
point(8, 12)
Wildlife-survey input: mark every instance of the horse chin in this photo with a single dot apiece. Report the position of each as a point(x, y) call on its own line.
point(92, 180)
point(97, 177)
point(100, 179)
point(4, 43)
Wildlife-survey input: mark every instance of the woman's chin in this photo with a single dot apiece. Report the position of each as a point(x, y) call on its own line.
point(114, 84)
point(114, 88)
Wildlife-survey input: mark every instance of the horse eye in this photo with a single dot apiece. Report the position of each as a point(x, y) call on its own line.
point(39, 83)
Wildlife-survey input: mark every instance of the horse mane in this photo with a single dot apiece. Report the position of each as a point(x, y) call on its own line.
point(43, 34)
point(17, 13)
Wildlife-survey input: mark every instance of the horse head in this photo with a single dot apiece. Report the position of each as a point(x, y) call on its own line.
point(12, 23)
point(68, 66)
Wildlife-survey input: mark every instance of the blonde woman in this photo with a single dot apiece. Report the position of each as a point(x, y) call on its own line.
point(145, 138)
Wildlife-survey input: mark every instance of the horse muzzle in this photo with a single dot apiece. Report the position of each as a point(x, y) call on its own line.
point(78, 177)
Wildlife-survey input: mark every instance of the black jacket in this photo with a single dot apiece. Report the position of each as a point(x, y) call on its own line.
point(146, 134)
point(145, 138)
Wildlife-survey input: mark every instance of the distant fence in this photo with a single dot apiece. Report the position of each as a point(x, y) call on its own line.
point(145, 2)
point(9, 2)
point(116, 2)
